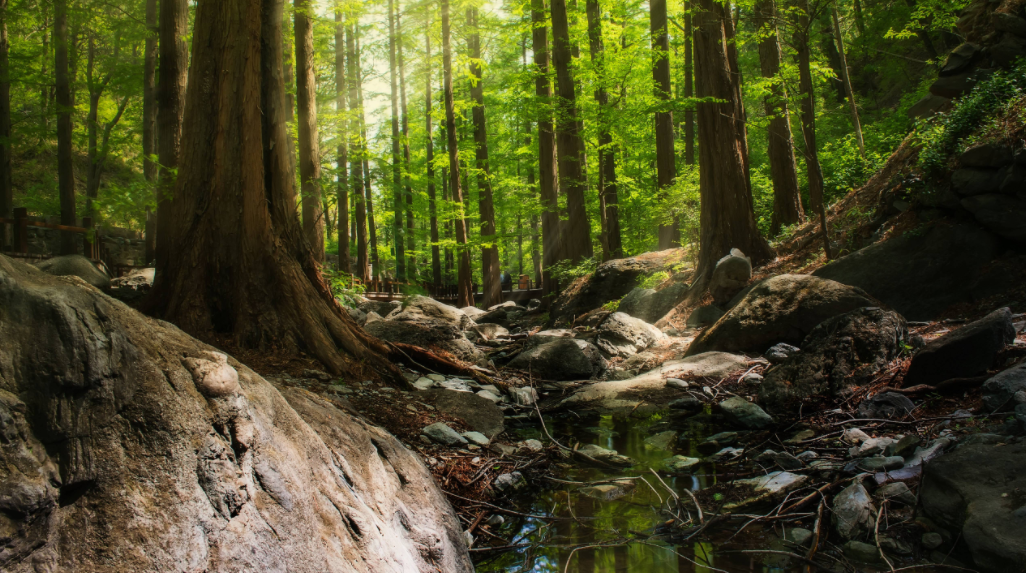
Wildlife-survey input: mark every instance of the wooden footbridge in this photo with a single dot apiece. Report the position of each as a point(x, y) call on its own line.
point(385, 290)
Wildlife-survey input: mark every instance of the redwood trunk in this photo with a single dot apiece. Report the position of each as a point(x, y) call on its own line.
point(171, 81)
point(608, 202)
point(787, 202)
point(309, 146)
point(666, 167)
point(238, 266)
point(436, 255)
point(727, 215)
point(397, 194)
point(491, 287)
point(6, 189)
point(411, 242)
point(551, 248)
point(342, 150)
point(808, 119)
point(372, 232)
point(570, 149)
point(65, 159)
point(846, 80)
point(149, 141)
point(689, 86)
point(464, 280)
point(356, 160)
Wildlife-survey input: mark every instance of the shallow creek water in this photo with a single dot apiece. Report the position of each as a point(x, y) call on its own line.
point(637, 515)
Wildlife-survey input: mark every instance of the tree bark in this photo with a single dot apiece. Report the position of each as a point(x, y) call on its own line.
point(551, 247)
point(846, 79)
point(171, 81)
point(149, 141)
point(491, 287)
point(689, 85)
point(464, 280)
point(372, 232)
point(808, 118)
point(829, 48)
point(411, 239)
point(239, 267)
point(570, 149)
point(309, 145)
point(397, 194)
point(727, 215)
point(98, 145)
point(666, 167)
point(787, 202)
point(342, 150)
point(356, 159)
point(436, 255)
point(609, 203)
point(65, 159)
point(6, 188)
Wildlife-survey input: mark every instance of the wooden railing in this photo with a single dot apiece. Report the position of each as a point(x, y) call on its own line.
point(384, 289)
point(21, 223)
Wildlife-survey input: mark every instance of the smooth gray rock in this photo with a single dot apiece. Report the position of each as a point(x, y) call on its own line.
point(428, 333)
point(895, 491)
point(358, 316)
point(1000, 390)
point(886, 405)
point(962, 353)
point(861, 552)
point(880, 463)
point(743, 413)
point(779, 353)
point(729, 276)
point(688, 403)
point(680, 464)
point(481, 414)
point(443, 434)
point(561, 359)
point(509, 483)
point(652, 305)
point(623, 335)
point(960, 59)
point(704, 316)
point(904, 447)
point(606, 456)
point(490, 331)
point(417, 307)
point(663, 440)
point(853, 512)
point(798, 536)
point(77, 266)
point(476, 438)
point(783, 460)
point(932, 540)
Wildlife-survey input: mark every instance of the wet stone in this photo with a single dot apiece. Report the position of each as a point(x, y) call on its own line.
point(895, 491)
point(880, 463)
point(807, 456)
point(508, 483)
point(725, 454)
point(443, 434)
point(608, 491)
point(677, 383)
point(903, 447)
point(717, 442)
point(783, 460)
point(746, 414)
point(932, 540)
point(610, 457)
point(662, 440)
point(436, 377)
point(680, 464)
point(780, 352)
point(490, 396)
point(688, 402)
point(800, 437)
point(861, 552)
point(531, 445)
point(424, 383)
point(476, 438)
point(798, 536)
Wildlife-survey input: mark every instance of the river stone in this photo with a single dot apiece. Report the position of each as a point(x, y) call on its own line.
point(704, 316)
point(77, 266)
point(687, 403)
point(880, 463)
point(472, 311)
point(531, 445)
point(886, 405)
point(782, 459)
point(920, 275)
point(608, 491)
point(662, 440)
point(871, 447)
point(481, 414)
point(784, 308)
point(717, 442)
point(680, 464)
point(111, 457)
point(854, 513)
point(429, 333)
point(652, 305)
point(962, 353)
point(610, 457)
point(861, 552)
point(771, 486)
point(798, 536)
point(379, 307)
point(489, 395)
point(743, 413)
point(677, 383)
point(417, 307)
point(561, 359)
point(895, 491)
point(725, 454)
point(443, 434)
point(904, 447)
point(476, 438)
point(509, 483)
point(490, 331)
point(932, 540)
point(623, 335)
point(1000, 390)
point(779, 353)
point(976, 491)
point(729, 276)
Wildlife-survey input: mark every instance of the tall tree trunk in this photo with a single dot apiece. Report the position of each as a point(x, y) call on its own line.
point(411, 235)
point(309, 144)
point(787, 201)
point(577, 238)
point(6, 188)
point(372, 231)
point(808, 118)
point(98, 138)
point(238, 266)
point(464, 281)
point(65, 159)
point(666, 166)
point(356, 157)
point(342, 152)
point(397, 194)
point(829, 48)
point(551, 247)
point(436, 260)
point(689, 85)
point(172, 74)
point(727, 214)
point(607, 156)
point(491, 287)
point(846, 79)
point(149, 141)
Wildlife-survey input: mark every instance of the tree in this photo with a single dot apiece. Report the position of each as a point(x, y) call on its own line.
point(608, 201)
point(172, 75)
point(727, 214)
point(6, 187)
point(689, 88)
point(150, 122)
point(666, 167)
point(99, 145)
point(238, 267)
point(808, 117)
point(846, 80)
point(465, 287)
point(397, 197)
point(356, 157)
point(570, 148)
point(551, 247)
point(411, 242)
point(342, 153)
point(787, 202)
point(429, 144)
point(491, 286)
point(309, 146)
point(65, 107)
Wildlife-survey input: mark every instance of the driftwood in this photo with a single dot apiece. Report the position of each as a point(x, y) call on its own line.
point(951, 385)
point(437, 361)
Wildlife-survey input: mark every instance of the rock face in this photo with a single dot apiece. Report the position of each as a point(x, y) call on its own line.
point(652, 305)
point(428, 333)
point(417, 308)
point(610, 281)
point(623, 335)
point(783, 308)
point(561, 359)
point(480, 413)
point(121, 432)
point(729, 276)
point(976, 490)
point(380, 307)
point(854, 513)
point(704, 316)
point(965, 352)
point(999, 392)
point(75, 265)
point(841, 352)
point(745, 414)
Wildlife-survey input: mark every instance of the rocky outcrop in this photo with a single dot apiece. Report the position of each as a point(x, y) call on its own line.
point(975, 493)
point(965, 352)
point(839, 353)
point(560, 359)
point(652, 305)
point(623, 335)
point(121, 433)
point(77, 266)
point(922, 274)
point(429, 333)
point(417, 308)
point(783, 308)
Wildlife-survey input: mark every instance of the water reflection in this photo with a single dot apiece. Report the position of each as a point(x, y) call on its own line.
point(622, 535)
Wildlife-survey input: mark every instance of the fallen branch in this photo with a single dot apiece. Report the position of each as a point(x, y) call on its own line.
point(876, 537)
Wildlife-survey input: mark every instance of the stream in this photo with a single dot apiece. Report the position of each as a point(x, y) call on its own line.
point(589, 523)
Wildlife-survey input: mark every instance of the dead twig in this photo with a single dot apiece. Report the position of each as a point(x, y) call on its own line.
point(876, 537)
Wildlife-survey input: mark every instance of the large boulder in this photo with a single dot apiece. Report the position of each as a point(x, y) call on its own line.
point(965, 352)
point(610, 281)
point(1000, 390)
point(921, 274)
point(730, 275)
point(478, 412)
point(501, 315)
point(379, 307)
point(1001, 214)
point(139, 279)
point(77, 266)
point(623, 335)
point(976, 493)
point(429, 333)
point(784, 308)
point(417, 308)
point(560, 359)
point(841, 352)
point(126, 444)
point(652, 305)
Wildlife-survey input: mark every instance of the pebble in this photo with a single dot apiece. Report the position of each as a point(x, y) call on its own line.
point(677, 383)
point(932, 540)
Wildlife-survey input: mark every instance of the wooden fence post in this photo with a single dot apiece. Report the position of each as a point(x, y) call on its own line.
point(21, 230)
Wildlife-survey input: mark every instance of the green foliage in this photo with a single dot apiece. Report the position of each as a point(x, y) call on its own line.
point(565, 272)
point(342, 285)
point(945, 136)
point(655, 279)
point(612, 306)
